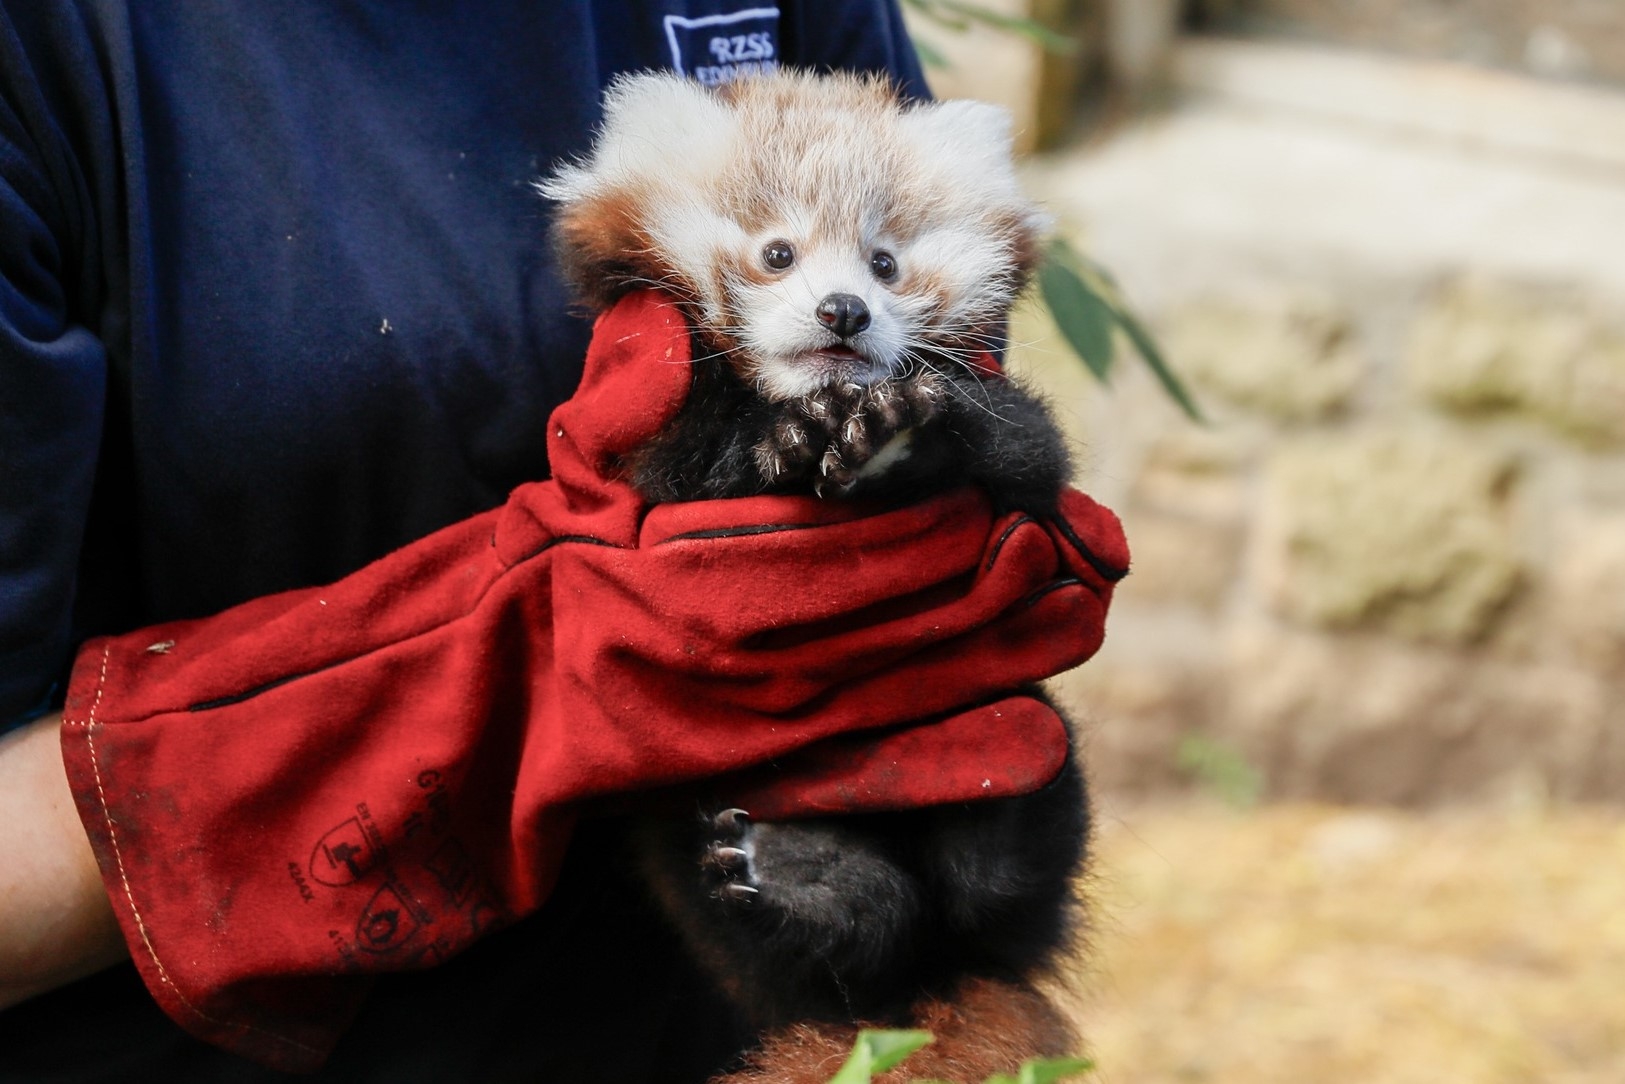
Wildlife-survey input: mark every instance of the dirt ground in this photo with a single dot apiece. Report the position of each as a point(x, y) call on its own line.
point(1315, 945)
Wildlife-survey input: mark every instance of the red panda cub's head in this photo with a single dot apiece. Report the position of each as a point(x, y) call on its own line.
point(818, 229)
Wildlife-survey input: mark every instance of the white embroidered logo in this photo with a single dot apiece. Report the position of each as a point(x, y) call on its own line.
point(737, 44)
point(742, 47)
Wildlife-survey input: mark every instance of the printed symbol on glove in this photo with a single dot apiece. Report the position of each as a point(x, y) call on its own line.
point(454, 870)
point(343, 856)
point(386, 924)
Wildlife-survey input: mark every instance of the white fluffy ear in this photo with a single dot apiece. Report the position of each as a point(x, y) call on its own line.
point(960, 129)
point(653, 123)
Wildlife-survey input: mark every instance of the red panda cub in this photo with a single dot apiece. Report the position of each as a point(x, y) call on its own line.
point(845, 259)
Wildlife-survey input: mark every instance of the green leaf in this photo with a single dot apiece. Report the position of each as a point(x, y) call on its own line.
point(1222, 769)
point(876, 1051)
point(1049, 1070)
point(960, 14)
point(1165, 375)
point(858, 1068)
point(1034, 31)
point(930, 55)
point(891, 1047)
point(1098, 282)
point(1084, 318)
point(933, 10)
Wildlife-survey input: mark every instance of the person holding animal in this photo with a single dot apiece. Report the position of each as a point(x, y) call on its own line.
point(259, 334)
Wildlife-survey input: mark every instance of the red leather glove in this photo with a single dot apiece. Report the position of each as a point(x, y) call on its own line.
point(366, 776)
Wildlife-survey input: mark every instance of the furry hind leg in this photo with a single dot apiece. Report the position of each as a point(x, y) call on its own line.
point(795, 920)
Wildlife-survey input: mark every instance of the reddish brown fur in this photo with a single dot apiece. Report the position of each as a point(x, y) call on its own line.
point(987, 1027)
point(1026, 246)
point(605, 250)
point(904, 218)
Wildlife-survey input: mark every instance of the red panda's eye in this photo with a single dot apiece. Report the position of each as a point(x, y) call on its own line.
point(778, 255)
point(883, 265)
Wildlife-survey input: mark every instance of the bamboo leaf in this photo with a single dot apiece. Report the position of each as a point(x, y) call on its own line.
point(961, 15)
point(1147, 348)
point(930, 55)
point(1034, 31)
point(1102, 286)
point(934, 11)
point(1082, 316)
point(891, 1047)
point(876, 1051)
point(858, 1068)
point(1050, 1070)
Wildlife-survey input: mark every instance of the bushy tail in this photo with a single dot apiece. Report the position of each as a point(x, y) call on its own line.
point(986, 1027)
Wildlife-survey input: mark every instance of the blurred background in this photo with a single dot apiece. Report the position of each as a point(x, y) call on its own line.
point(1358, 731)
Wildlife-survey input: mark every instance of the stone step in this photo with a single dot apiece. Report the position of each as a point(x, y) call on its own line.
point(1320, 164)
point(1570, 39)
point(1570, 126)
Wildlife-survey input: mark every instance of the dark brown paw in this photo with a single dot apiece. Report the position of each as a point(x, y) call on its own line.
point(828, 437)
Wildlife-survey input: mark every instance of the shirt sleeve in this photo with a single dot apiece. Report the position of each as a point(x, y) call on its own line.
point(52, 383)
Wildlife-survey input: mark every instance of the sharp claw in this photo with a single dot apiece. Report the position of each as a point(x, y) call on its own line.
point(732, 820)
point(727, 860)
point(737, 893)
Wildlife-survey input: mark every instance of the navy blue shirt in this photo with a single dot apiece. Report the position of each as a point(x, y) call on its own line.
point(275, 292)
point(276, 297)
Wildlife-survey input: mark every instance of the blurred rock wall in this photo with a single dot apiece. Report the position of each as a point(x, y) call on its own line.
point(1392, 566)
point(1582, 39)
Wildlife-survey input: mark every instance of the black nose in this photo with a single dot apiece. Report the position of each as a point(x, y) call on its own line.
point(844, 314)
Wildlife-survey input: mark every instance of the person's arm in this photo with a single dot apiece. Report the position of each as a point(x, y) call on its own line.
point(56, 924)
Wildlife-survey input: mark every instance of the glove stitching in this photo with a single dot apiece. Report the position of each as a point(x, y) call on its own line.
point(585, 539)
point(1032, 600)
point(738, 532)
point(1110, 573)
point(1005, 537)
point(89, 727)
